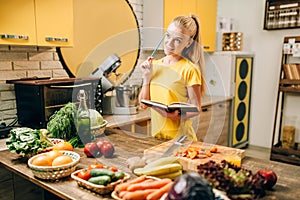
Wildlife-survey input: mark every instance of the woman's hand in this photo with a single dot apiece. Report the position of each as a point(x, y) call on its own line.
point(171, 115)
point(146, 67)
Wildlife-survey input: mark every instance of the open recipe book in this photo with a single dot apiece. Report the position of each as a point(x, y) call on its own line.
point(181, 106)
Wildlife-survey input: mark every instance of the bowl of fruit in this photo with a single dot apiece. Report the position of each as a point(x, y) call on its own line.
point(54, 164)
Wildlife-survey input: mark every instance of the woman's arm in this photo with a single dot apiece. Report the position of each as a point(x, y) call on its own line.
point(146, 67)
point(194, 93)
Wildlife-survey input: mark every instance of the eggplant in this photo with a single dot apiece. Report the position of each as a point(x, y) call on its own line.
point(191, 186)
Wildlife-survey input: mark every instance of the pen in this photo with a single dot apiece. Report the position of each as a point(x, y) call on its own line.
point(157, 46)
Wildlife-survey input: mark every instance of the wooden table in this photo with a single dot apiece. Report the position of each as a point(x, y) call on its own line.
point(133, 145)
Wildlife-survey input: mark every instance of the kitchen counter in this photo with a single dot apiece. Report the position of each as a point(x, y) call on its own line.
point(66, 188)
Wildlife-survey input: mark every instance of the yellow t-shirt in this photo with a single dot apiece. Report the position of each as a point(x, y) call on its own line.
point(169, 84)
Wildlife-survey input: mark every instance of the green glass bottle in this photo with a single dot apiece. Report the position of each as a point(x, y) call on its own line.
point(83, 119)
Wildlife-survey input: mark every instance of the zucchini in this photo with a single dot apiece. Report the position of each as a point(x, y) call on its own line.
point(100, 180)
point(100, 172)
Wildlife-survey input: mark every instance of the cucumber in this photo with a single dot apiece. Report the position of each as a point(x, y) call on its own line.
point(101, 172)
point(118, 175)
point(100, 180)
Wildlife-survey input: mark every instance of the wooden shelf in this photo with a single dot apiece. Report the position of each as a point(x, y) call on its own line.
point(290, 156)
point(295, 88)
point(287, 84)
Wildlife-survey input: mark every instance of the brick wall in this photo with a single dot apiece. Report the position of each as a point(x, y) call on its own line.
point(22, 62)
point(27, 61)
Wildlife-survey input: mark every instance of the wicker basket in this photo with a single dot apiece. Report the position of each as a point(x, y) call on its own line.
point(55, 172)
point(99, 130)
point(100, 189)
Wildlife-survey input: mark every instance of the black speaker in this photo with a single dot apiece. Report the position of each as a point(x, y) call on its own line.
point(241, 102)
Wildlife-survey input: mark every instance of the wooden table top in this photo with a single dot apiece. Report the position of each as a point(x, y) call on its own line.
point(133, 145)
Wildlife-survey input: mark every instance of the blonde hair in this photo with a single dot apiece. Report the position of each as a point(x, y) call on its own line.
point(195, 51)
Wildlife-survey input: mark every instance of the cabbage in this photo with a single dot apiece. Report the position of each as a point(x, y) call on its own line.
point(190, 186)
point(95, 118)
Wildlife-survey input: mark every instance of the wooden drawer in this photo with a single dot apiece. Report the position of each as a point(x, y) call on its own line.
point(6, 183)
point(24, 189)
point(142, 127)
point(213, 123)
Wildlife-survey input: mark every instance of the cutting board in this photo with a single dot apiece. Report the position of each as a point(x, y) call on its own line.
point(191, 164)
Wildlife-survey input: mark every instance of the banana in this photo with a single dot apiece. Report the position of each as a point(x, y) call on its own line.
point(172, 175)
point(162, 161)
point(158, 170)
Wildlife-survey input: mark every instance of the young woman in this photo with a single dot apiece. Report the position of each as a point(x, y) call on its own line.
point(177, 77)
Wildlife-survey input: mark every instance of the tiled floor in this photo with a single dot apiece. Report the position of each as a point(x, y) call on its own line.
point(258, 152)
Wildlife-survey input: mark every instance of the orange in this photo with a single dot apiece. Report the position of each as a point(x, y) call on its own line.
point(63, 146)
point(42, 160)
point(54, 154)
point(61, 160)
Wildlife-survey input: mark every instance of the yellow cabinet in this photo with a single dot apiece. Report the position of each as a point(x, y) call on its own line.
point(36, 22)
point(205, 9)
point(207, 12)
point(17, 22)
point(54, 21)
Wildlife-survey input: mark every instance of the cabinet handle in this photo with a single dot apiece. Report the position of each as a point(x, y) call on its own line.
point(54, 39)
point(205, 47)
point(204, 109)
point(69, 86)
point(19, 37)
point(221, 105)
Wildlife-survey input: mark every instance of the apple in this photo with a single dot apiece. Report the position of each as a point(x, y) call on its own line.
point(91, 150)
point(100, 142)
point(269, 176)
point(107, 149)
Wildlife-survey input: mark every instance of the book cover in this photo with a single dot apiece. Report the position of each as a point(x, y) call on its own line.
point(181, 106)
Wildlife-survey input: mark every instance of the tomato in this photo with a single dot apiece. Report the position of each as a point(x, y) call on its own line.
point(84, 174)
point(95, 165)
point(113, 168)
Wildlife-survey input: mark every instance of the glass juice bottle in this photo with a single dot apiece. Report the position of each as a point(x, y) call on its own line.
point(83, 119)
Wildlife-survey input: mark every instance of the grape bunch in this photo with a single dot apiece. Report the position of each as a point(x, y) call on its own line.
point(237, 182)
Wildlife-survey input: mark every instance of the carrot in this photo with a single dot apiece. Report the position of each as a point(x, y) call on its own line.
point(149, 185)
point(138, 194)
point(122, 194)
point(123, 186)
point(158, 193)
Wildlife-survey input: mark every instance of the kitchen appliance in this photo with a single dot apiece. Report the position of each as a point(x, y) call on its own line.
point(230, 74)
point(38, 98)
point(117, 98)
